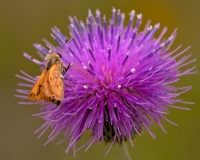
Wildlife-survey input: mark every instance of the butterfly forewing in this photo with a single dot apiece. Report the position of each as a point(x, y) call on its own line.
point(53, 86)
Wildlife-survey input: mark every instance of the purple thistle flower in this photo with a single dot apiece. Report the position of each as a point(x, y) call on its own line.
point(120, 82)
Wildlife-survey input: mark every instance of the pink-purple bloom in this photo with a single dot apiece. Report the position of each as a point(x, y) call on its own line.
point(121, 81)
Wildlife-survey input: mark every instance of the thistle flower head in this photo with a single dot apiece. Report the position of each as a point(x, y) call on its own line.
point(120, 82)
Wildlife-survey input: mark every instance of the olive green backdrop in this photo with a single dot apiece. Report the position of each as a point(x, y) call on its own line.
point(24, 22)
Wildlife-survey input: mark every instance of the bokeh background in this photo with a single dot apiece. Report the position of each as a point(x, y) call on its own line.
point(25, 22)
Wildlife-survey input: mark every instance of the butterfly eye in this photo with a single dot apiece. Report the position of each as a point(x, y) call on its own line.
point(59, 55)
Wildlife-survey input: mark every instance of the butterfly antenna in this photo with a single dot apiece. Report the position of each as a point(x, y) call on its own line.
point(62, 45)
point(78, 68)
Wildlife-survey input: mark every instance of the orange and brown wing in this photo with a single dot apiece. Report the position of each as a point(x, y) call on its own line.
point(53, 86)
point(36, 94)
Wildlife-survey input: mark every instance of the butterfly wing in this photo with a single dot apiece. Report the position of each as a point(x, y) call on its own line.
point(53, 86)
point(36, 94)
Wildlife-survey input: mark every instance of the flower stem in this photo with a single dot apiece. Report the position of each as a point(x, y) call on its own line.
point(124, 151)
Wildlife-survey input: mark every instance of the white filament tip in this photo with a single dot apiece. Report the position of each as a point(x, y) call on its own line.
point(150, 28)
point(119, 86)
point(132, 13)
point(157, 25)
point(85, 87)
point(139, 16)
point(132, 70)
point(84, 67)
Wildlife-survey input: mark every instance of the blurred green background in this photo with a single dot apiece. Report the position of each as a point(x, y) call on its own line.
point(25, 22)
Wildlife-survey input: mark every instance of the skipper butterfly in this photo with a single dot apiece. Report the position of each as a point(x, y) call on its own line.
point(50, 85)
